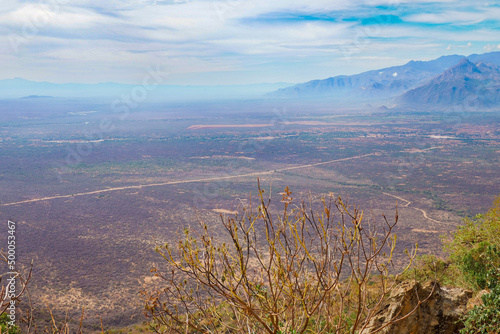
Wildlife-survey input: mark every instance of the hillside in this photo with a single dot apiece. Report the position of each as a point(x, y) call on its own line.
point(377, 83)
point(478, 85)
point(448, 80)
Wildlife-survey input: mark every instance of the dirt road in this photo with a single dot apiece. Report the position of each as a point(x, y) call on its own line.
point(141, 186)
point(426, 216)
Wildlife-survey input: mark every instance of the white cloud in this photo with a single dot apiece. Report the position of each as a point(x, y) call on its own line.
point(438, 34)
point(457, 17)
point(41, 15)
point(491, 47)
point(196, 36)
point(459, 46)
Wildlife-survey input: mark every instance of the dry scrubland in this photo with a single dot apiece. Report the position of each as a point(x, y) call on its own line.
point(96, 249)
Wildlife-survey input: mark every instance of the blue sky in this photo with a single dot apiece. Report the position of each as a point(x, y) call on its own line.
point(213, 42)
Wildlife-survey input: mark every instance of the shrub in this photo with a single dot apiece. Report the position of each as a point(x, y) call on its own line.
point(475, 251)
point(484, 319)
point(298, 271)
point(5, 327)
point(7, 297)
point(429, 267)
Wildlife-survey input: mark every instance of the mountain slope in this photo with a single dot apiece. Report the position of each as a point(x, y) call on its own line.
point(489, 58)
point(386, 82)
point(477, 85)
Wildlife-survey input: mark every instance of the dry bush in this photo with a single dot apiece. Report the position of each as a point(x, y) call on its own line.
point(19, 296)
point(16, 285)
point(300, 271)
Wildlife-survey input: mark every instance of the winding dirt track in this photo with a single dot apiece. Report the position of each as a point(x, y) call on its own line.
point(181, 182)
point(404, 200)
point(421, 210)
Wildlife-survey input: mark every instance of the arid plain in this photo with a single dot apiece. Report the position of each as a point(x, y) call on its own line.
point(93, 191)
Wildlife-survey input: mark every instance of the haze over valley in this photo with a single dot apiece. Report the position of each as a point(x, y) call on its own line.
point(124, 124)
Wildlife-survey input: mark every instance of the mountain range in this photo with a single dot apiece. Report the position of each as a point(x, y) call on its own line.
point(448, 80)
point(445, 81)
point(19, 88)
point(474, 84)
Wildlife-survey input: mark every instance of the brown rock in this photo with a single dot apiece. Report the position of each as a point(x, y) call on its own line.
point(477, 300)
point(439, 312)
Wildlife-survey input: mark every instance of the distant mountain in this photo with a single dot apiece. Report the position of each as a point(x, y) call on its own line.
point(439, 81)
point(489, 58)
point(37, 97)
point(386, 82)
point(477, 85)
point(20, 88)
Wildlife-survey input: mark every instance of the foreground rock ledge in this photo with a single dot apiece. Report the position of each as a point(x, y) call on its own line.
point(439, 314)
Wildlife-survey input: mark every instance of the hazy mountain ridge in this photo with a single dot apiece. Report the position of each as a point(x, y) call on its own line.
point(19, 88)
point(478, 85)
point(440, 82)
point(415, 82)
point(384, 82)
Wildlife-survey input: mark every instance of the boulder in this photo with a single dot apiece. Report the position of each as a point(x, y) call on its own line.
point(439, 311)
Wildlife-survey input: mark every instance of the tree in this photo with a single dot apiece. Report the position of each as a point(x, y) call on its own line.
point(301, 271)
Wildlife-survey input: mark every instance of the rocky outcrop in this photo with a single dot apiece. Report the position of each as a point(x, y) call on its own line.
point(439, 311)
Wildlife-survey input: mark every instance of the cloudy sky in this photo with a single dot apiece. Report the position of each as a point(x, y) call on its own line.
point(212, 42)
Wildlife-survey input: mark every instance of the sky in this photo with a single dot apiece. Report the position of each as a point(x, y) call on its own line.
point(226, 42)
